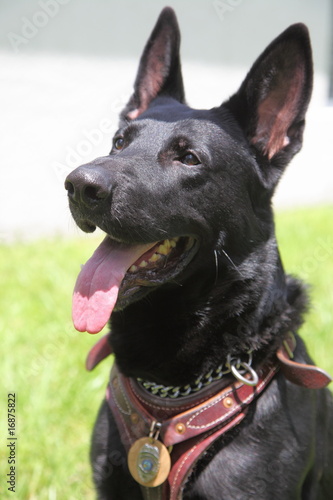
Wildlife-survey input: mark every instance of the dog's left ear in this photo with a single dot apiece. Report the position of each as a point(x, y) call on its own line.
point(271, 103)
point(159, 69)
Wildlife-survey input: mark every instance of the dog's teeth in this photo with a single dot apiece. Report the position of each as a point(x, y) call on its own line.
point(164, 249)
point(155, 257)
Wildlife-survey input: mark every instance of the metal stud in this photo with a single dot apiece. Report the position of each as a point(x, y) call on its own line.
point(134, 418)
point(180, 428)
point(228, 402)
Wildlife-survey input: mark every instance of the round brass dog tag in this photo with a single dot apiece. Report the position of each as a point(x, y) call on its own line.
point(149, 462)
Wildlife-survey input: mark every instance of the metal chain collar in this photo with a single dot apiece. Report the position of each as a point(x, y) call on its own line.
point(238, 368)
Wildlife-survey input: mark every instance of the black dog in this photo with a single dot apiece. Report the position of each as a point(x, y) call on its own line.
point(191, 270)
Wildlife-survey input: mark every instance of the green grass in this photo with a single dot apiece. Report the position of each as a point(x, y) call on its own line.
point(43, 356)
point(306, 243)
point(43, 363)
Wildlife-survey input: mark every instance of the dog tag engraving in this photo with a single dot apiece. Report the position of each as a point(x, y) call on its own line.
point(149, 462)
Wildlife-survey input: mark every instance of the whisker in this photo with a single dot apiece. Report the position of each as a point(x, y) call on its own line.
point(216, 267)
point(232, 263)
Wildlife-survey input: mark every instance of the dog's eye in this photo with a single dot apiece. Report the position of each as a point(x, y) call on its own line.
point(190, 160)
point(119, 143)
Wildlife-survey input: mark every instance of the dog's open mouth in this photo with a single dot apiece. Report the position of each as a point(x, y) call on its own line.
point(117, 274)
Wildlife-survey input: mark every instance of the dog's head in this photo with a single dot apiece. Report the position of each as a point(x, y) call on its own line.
point(183, 191)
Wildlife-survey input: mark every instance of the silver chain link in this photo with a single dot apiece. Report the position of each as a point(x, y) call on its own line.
point(234, 365)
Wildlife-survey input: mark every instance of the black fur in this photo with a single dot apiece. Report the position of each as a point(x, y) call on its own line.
point(233, 294)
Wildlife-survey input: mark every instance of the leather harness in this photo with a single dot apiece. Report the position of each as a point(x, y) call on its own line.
point(188, 425)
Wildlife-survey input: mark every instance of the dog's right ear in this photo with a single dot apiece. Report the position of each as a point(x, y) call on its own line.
point(160, 69)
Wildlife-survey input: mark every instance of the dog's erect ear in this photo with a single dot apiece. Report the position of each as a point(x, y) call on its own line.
point(159, 70)
point(271, 103)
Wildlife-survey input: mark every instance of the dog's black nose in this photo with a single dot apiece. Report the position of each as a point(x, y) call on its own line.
point(88, 185)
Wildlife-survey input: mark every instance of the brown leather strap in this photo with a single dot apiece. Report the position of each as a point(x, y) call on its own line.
point(308, 376)
point(187, 454)
point(190, 431)
point(178, 426)
point(183, 457)
point(192, 423)
point(98, 352)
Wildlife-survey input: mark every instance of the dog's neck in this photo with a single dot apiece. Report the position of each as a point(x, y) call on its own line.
point(170, 338)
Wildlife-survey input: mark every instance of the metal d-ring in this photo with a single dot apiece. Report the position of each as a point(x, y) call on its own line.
point(246, 368)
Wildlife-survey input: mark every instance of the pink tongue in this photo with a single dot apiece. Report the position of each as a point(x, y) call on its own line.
point(97, 286)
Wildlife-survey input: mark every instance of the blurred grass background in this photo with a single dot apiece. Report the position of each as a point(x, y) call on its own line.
point(43, 356)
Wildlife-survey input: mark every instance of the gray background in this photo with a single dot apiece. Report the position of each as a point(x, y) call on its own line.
point(67, 68)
